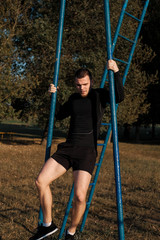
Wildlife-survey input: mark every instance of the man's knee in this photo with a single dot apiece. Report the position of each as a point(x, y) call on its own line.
point(40, 184)
point(80, 196)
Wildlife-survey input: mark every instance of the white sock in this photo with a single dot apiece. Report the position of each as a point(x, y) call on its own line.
point(47, 224)
point(70, 233)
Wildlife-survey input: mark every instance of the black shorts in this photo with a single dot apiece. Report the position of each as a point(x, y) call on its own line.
point(77, 157)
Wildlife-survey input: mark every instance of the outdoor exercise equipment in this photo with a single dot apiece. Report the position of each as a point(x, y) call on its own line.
point(112, 125)
point(54, 96)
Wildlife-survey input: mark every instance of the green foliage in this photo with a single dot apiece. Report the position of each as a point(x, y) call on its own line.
point(13, 83)
point(28, 44)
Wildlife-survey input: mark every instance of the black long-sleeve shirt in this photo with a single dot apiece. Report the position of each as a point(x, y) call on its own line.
point(86, 113)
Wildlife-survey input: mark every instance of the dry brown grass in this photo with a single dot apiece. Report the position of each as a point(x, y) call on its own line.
point(140, 172)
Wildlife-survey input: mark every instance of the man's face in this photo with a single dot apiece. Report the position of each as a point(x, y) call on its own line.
point(83, 85)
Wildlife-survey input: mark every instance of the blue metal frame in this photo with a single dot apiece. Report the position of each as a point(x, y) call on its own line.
point(135, 40)
point(109, 124)
point(123, 12)
point(102, 85)
point(115, 40)
point(114, 125)
point(55, 82)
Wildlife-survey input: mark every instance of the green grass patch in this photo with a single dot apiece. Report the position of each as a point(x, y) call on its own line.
point(140, 166)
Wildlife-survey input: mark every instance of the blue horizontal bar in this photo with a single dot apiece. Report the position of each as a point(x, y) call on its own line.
point(130, 15)
point(96, 164)
point(126, 38)
point(91, 184)
point(100, 144)
point(119, 60)
point(106, 124)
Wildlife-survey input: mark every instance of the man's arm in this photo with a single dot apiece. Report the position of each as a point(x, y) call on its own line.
point(61, 111)
point(119, 90)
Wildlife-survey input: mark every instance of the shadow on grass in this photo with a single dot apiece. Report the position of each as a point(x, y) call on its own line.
point(21, 141)
point(14, 220)
point(19, 134)
point(22, 134)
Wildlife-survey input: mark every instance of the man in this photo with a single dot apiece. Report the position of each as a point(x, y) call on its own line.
point(86, 108)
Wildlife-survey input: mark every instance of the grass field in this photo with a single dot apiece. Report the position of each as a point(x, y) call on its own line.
point(140, 173)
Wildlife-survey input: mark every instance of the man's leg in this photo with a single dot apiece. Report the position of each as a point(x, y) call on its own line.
point(50, 171)
point(81, 184)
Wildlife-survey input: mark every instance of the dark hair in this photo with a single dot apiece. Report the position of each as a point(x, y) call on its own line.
point(82, 72)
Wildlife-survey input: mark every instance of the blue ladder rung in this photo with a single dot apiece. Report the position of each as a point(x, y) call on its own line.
point(119, 60)
point(92, 184)
point(130, 15)
point(96, 164)
point(129, 40)
point(100, 144)
point(106, 124)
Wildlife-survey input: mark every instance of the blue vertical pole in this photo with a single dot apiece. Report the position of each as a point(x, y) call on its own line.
point(69, 205)
point(55, 82)
point(114, 125)
point(115, 39)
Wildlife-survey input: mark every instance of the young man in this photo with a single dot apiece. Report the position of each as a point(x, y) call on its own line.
point(86, 108)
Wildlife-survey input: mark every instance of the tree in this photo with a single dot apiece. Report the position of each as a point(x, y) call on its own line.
point(84, 44)
point(11, 21)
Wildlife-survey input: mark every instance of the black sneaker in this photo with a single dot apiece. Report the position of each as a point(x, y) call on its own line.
point(68, 236)
point(43, 232)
